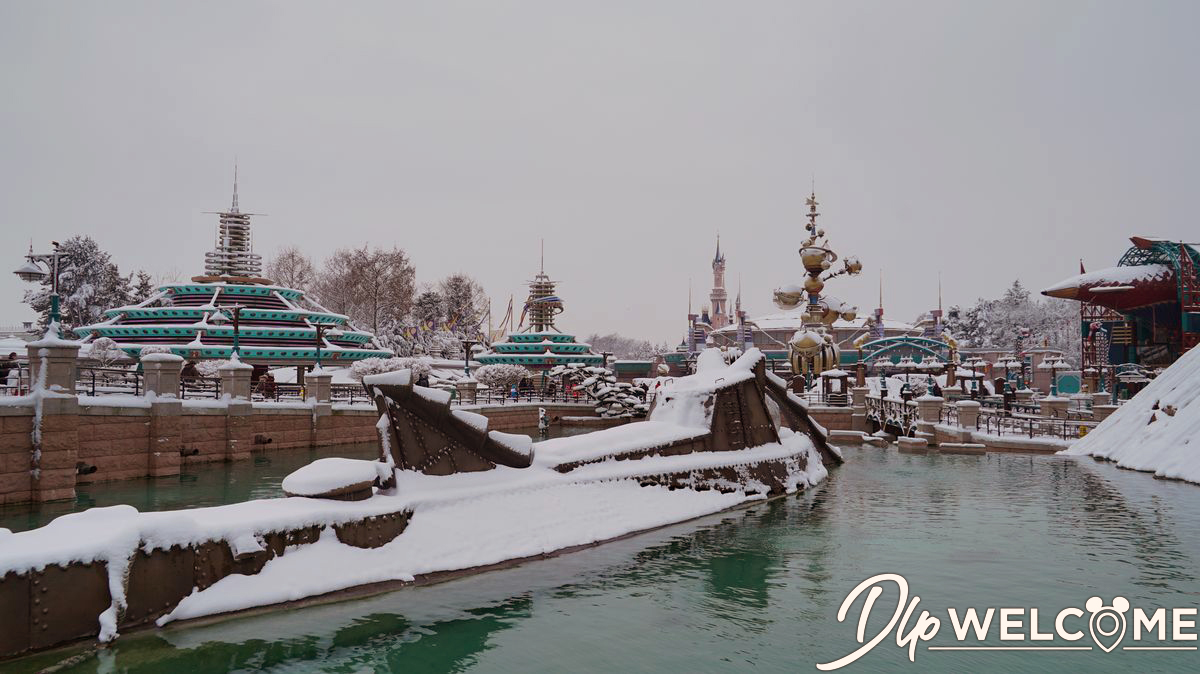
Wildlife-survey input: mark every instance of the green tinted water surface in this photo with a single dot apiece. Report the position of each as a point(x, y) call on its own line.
point(757, 589)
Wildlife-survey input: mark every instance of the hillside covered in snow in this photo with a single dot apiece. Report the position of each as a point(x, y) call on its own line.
point(1158, 430)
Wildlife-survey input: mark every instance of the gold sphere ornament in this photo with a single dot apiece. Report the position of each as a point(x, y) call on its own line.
point(813, 285)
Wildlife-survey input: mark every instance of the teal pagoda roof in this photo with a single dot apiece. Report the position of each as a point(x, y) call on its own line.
point(276, 325)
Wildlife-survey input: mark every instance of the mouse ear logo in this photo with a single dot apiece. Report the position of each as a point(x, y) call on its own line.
point(1107, 623)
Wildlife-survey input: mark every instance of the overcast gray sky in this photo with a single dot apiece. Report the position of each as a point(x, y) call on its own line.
point(987, 140)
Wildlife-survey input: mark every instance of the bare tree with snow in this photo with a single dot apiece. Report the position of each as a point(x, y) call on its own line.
point(291, 268)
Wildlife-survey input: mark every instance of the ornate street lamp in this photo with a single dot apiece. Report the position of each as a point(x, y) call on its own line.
point(467, 344)
point(975, 363)
point(929, 365)
point(235, 311)
point(1007, 363)
point(32, 272)
point(322, 330)
point(1054, 364)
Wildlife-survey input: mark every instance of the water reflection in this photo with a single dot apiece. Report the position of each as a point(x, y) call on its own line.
point(197, 485)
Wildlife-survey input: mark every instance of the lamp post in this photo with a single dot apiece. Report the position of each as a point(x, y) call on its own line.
point(320, 330)
point(605, 354)
point(975, 363)
point(236, 311)
point(32, 272)
point(930, 365)
point(467, 344)
point(1054, 364)
point(1007, 363)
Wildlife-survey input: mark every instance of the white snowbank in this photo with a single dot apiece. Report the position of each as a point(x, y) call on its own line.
point(521, 444)
point(466, 521)
point(324, 475)
point(396, 378)
point(477, 421)
point(1158, 430)
point(432, 394)
point(680, 401)
point(617, 440)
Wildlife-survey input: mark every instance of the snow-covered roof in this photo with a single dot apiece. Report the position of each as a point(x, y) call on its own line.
point(1112, 276)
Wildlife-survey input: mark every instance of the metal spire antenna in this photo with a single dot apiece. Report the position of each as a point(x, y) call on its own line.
point(234, 208)
point(939, 290)
point(543, 262)
point(233, 254)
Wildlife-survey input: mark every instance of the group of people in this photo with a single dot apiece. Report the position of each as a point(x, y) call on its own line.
point(10, 374)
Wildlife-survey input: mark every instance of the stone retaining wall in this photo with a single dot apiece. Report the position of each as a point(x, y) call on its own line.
point(156, 438)
point(832, 418)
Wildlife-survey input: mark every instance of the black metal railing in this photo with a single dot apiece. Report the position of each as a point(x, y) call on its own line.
point(498, 397)
point(1033, 427)
point(107, 381)
point(200, 387)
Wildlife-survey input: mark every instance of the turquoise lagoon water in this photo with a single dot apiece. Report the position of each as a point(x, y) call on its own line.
point(758, 588)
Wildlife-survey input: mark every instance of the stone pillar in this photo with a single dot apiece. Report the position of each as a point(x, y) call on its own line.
point(161, 372)
point(1102, 412)
point(58, 356)
point(166, 434)
point(318, 393)
point(968, 413)
point(239, 428)
point(1101, 398)
point(55, 449)
point(467, 390)
point(1024, 396)
point(317, 386)
point(235, 380)
point(53, 459)
point(929, 414)
point(929, 409)
point(858, 408)
point(1055, 408)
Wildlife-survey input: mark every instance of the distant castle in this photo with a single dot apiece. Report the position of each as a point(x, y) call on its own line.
point(716, 315)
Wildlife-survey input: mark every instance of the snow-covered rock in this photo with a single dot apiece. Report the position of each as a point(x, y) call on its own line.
point(330, 474)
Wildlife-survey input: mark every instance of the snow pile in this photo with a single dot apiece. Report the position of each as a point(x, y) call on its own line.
point(1158, 430)
point(476, 421)
point(681, 402)
point(391, 378)
point(474, 519)
point(433, 395)
point(521, 444)
point(234, 363)
point(373, 366)
point(328, 474)
point(617, 441)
